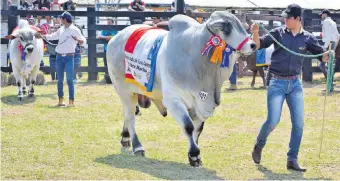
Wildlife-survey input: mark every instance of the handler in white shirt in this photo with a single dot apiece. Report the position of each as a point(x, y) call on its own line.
point(330, 35)
point(329, 29)
point(68, 36)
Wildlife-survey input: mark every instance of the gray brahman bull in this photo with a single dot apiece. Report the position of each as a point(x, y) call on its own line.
point(186, 83)
point(26, 53)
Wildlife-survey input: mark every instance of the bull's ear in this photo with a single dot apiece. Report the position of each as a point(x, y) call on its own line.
point(10, 37)
point(227, 28)
point(216, 25)
point(220, 25)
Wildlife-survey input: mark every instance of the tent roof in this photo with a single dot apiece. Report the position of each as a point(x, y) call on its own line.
point(306, 4)
point(277, 4)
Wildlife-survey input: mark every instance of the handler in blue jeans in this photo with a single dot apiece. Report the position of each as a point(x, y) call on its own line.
point(284, 83)
point(68, 36)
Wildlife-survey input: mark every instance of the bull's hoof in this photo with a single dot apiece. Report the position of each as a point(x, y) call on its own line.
point(195, 161)
point(140, 153)
point(19, 98)
point(30, 95)
point(164, 114)
point(125, 144)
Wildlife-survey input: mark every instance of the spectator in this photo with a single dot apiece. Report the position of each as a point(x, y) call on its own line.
point(107, 35)
point(43, 5)
point(173, 6)
point(97, 6)
point(35, 5)
point(69, 6)
point(24, 5)
point(137, 5)
point(337, 61)
point(52, 57)
point(330, 36)
point(55, 6)
point(31, 20)
point(157, 22)
point(9, 4)
point(233, 76)
point(77, 58)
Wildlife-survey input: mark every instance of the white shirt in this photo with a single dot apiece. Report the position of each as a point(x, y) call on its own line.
point(66, 43)
point(55, 6)
point(269, 52)
point(329, 32)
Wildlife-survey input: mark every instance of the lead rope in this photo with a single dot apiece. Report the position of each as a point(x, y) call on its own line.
point(53, 43)
point(324, 104)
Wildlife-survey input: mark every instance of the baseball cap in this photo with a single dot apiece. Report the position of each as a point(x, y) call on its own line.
point(325, 11)
point(66, 15)
point(292, 10)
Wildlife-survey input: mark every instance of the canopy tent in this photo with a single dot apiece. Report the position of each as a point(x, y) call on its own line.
point(307, 4)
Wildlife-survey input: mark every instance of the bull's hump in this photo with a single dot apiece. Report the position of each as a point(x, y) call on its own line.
point(180, 22)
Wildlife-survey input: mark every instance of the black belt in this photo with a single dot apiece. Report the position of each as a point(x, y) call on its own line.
point(65, 54)
point(290, 77)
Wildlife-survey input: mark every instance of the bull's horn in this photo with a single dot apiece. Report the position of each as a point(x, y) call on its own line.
point(9, 37)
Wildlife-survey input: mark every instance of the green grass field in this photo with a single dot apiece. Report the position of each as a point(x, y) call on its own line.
point(39, 141)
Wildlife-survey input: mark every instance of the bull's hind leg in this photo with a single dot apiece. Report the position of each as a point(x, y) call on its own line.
point(254, 76)
point(129, 128)
point(198, 124)
point(261, 71)
point(179, 111)
point(198, 129)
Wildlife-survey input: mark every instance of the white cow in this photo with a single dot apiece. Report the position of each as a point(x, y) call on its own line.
point(182, 73)
point(34, 48)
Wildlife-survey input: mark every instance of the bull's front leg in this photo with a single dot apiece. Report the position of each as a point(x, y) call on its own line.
point(198, 124)
point(31, 91)
point(32, 79)
point(19, 80)
point(24, 87)
point(179, 111)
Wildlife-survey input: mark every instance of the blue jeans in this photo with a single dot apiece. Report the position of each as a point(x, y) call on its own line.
point(52, 59)
point(65, 64)
point(77, 62)
point(278, 91)
point(233, 75)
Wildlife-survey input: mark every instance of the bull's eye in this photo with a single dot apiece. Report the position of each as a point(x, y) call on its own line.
point(21, 38)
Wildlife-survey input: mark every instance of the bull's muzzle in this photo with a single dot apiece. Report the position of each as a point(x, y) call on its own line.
point(29, 49)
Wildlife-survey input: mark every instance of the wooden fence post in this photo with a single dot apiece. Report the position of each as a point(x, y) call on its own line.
point(4, 5)
point(12, 20)
point(180, 7)
point(271, 22)
point(92, 48)
point(307, 71)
